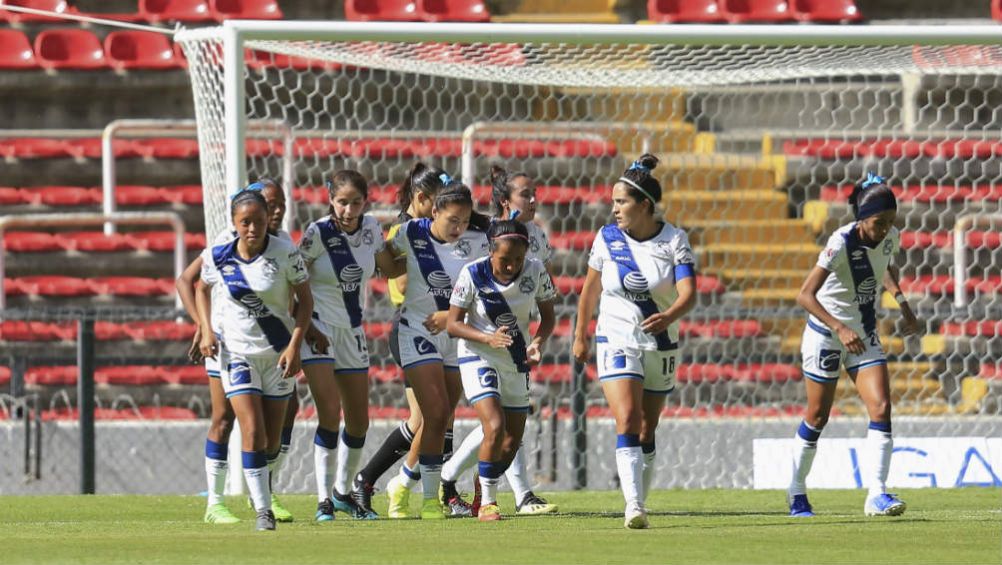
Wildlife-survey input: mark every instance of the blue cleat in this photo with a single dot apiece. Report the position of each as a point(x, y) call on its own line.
point(345, 503)
point(884, 505)
point(800, 507)
point(325, 511)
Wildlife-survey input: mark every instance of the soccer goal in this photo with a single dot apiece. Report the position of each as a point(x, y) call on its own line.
point(762, 131)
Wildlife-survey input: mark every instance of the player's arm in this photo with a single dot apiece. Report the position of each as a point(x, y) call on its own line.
point(685, 287)
point(910, 324)
point(808, 300)
point(203, 306)
point(457, 327)
point(290, 361)
point(391, 263)
point(547, 321)
point(587, 303)
point(185, 284)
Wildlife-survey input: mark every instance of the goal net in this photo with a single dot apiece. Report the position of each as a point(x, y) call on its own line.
point(762, 131)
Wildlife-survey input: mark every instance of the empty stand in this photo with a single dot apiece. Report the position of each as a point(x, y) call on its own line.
point(765, 11)
point(55, 285)
point(156, 11)
point(223, 10)
point(30, 242)
point(139, 50)
point(61, 195)
point(69, 49)
point(381, 10)
point(92, 241)
point(684, 11)
point(32, 148)
point(15, 51)
point(58, 6)
point(453, 11)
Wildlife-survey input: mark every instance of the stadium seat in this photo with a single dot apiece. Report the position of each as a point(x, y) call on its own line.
point(92, 241)
point(32, 148)
point(168, 148)
point(61, 195)
point(575, 241)
point(16, 330)
point(10, 196)
point(973, 328)
point(223, 10)
point(129, 286)
point(190, 194)
point(129, 375)
point(163, 241)
point(684, 11)
point(91, 148)
point(29, 242)
point(143, 196)
point(157, 11)
point(139, 50)
point(110, 331)
point(55, 285)
point(4, 376)
point(15, 51)
point(58, 6)
point(12, 287)
point(51, 376)
point(826, 11)
point(166, 413)
point(453, 11)
point(997, 10)
point(185, 375)
point(924, 193)
point(944, 284)
point(159, 330)
point(742, 11)
point(71, 49)
point(381, 10)
point(99, 414)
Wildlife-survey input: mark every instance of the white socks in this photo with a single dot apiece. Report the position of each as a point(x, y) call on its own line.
point(630, 464)
point(256, 475)
point(215, 471)
point(879, 445)
point(465, 457)
point(431, 474)
point(518, 476)
point(347, 461)
point(803, 457)
point(324, 451)
point(650, 456)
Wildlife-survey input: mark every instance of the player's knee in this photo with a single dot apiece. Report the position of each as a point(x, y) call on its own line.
point(880, 410)
point(817, 419)
point(493, 433)
point(221, 425)
point(628, 422)
point(253, 436)
point(435, 421)
point(357, 425)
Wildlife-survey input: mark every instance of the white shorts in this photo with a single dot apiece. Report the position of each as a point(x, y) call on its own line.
point(823, 354)
point(656, 369)
point(257, 374)
point(418, 347)
point(481, 381)
point(348, 350)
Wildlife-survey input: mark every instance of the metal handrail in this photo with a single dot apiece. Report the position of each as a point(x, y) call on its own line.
point(960, 229)
point(129, 218)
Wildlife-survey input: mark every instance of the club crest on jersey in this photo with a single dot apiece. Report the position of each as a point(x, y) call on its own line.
point(270, 267)
point(349, 278)
point(828, 359)
point(462, 248)
point(866, 292)
point(534, 244)
point(888, 246)
point(367, 237)
point(526, 286)
point(307, 241)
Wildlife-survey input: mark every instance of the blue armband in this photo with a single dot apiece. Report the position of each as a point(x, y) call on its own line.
point(684, 271)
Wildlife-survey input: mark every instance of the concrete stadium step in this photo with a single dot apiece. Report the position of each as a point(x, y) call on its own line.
point(764, 297)
point(707, 232)
point(725, 205)
point(720, 171)
point(757, 256)
point(747, 279)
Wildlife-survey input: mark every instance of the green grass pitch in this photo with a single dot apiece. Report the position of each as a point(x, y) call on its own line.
point(695, 526)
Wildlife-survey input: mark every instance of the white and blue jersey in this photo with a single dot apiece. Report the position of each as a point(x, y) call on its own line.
point(340, 264)
point(638, 281)
point(254, 311)
point(432, 267)
point(490, 304)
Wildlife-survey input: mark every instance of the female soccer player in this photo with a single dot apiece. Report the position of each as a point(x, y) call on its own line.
point(341, 253)
point(514, 197)
point(435, 249)
point(416, 198)
point(259, 273)
point(841, 294)
point(491, 306)
point(643, 269)
point(221, 422)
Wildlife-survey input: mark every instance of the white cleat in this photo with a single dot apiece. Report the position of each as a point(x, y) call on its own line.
point(884, 505)
point(636, 518)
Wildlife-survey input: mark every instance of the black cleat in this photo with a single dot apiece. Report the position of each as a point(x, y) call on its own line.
point(265, 520)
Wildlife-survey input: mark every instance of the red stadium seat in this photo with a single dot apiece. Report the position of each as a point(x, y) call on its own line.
point(944, 284)
point(990, 371)
point(127, 286)
point(75, 49)
point(740, 11)
point(168, 148)
point(132, 195)
point(245, 10)
point(190, 195)
point(33, 148)
point(15, 51)
point(826, 11)
point(185, 375)
point(93, 241)
point(156, 11)
point(129, 375)
point(4, 377)
point(453, 11)
point(166, 413)
point(139, 50)
point(163, 241)
point(319, 195)
point(51, 376)
point(385, 374)
point(91, 148)
point(99, 414)
point(35, 331)
point(110, 331)
point(30, 242)
point(12, 287)
point(576, 241)
point(377, 330)
point(54, 285)
point(684, 11)
point(974, 328)
point(381, 10)
point(10, 196)
point(58, 6)
point(163, 330)
point(997, 10)
point(61, 196)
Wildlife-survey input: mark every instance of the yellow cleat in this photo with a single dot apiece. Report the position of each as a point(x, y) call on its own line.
point(432, 509)
point(219, 514)
point(281, 513)
point(489, 513)
point(400, 499)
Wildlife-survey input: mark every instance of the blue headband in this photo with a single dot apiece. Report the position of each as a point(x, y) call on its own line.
point(445, 178)
point(878, 204)
point(252, 187)
point(638, 165)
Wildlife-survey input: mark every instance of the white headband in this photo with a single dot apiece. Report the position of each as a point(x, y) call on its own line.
point(642, 191)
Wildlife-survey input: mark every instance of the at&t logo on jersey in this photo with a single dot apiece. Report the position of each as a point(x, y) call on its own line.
point(350, 278)
point(866, 292)
point(636, 286)
point(507, 320)
point(255, 306)
point(439, 284)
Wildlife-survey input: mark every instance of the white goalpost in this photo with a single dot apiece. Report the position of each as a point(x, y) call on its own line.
point(761, 130)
